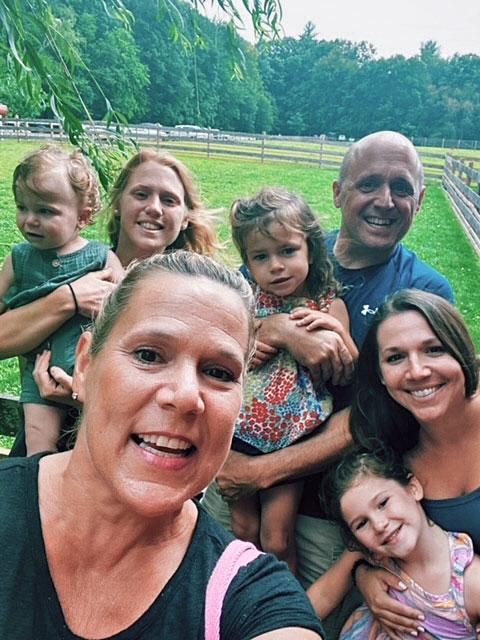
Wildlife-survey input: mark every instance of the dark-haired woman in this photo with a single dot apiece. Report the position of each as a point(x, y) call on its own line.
point(416, 390)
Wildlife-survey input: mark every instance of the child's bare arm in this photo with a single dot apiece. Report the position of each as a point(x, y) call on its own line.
point(339, 310)
point(395, 617)
point(472, 590)
point(263, 353)
point(331, 588)
point(336, 320)
point(313, 319)
point(323, 352)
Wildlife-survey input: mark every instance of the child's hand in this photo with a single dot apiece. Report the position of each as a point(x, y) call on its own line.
point(53, 383)
point(313, 320)
point(394, 617)
point(263, 353)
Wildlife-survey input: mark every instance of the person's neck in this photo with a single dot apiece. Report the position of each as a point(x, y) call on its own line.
point(74, 245)
point(429, 562)
point(353, 255)
point(67, 482)
point(126, 254)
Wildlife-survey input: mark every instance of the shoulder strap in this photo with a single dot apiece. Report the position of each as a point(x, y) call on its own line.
point(235, 556)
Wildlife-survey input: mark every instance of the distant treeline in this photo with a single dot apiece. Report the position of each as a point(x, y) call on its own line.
point(295, 86)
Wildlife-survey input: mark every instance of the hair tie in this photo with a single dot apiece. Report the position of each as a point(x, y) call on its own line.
point(77, 308)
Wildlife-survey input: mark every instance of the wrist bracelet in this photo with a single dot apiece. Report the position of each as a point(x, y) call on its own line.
point(357, 564)
point(77, 308)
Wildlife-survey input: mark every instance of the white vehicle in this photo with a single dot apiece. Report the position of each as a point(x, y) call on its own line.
point(190, 131)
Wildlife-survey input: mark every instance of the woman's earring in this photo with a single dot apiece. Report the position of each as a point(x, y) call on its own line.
point(75, 396)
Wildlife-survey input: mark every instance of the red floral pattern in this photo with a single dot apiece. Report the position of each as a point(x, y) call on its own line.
point(281, 401)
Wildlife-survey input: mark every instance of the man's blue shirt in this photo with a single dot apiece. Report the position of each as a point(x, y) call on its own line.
point(367, 288)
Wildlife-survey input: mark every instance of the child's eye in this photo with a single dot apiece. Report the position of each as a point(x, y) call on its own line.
point(383, 503)
point(141, 195)
point(259, 257)
point(147, 356)
point(288, 251)
point(361, 525)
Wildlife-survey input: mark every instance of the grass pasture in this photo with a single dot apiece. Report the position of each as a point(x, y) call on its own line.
point(436, 236)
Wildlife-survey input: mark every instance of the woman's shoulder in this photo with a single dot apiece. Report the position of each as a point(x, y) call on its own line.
point(263, 593)
point(457, 514)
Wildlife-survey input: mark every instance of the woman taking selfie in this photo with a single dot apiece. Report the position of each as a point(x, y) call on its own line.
point(106, 540)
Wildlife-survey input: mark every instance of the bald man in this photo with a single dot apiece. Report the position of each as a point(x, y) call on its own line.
point(380, 190)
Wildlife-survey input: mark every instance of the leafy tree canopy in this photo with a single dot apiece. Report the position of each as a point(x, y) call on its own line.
point(43, 50)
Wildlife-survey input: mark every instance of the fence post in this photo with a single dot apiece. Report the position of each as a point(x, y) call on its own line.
point(263, 145)
point(468, 178)
point(320, 159)
point(208, 141)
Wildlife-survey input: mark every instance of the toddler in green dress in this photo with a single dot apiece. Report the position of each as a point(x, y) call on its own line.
point(56, 194)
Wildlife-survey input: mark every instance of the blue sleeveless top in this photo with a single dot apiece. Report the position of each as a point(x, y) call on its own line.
point(458, 514)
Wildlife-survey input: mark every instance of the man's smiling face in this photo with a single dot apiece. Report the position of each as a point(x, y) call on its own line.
point(380, 194)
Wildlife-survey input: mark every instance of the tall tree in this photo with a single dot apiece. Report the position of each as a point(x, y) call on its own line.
point(45, 62)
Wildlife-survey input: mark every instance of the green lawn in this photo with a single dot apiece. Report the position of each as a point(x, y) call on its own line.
point(436, 236)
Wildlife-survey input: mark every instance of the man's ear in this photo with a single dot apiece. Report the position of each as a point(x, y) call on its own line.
point(416, 488)
point(420, 199)
point(84, 218)
point(336, 194)
point(82, 362)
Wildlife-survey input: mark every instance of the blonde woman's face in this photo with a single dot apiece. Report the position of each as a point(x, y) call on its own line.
point(152, 210)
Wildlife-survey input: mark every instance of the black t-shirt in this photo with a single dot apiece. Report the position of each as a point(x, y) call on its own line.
point(264, 595)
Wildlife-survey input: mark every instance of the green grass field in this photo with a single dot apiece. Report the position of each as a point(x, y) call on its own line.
point(436, 236)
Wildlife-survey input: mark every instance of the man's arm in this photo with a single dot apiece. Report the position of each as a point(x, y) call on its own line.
point(323, 352)
point(328, 591)
point(243, 475)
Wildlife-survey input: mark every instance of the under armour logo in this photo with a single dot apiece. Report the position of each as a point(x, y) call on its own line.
point(366, 310)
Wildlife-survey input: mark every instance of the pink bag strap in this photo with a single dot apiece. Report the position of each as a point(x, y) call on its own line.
point(235, 556)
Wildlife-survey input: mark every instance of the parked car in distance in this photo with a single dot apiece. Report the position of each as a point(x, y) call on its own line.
point(190, 131)
point(148, 129)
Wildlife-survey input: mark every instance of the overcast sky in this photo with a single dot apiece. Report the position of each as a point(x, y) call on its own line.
point(392, 27)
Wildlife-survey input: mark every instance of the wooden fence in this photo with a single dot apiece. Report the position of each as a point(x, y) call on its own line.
point(319, 151)
point(459, 177)
point(461, 181)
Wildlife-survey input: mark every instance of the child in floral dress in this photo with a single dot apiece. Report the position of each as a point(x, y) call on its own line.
point(282, 245)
